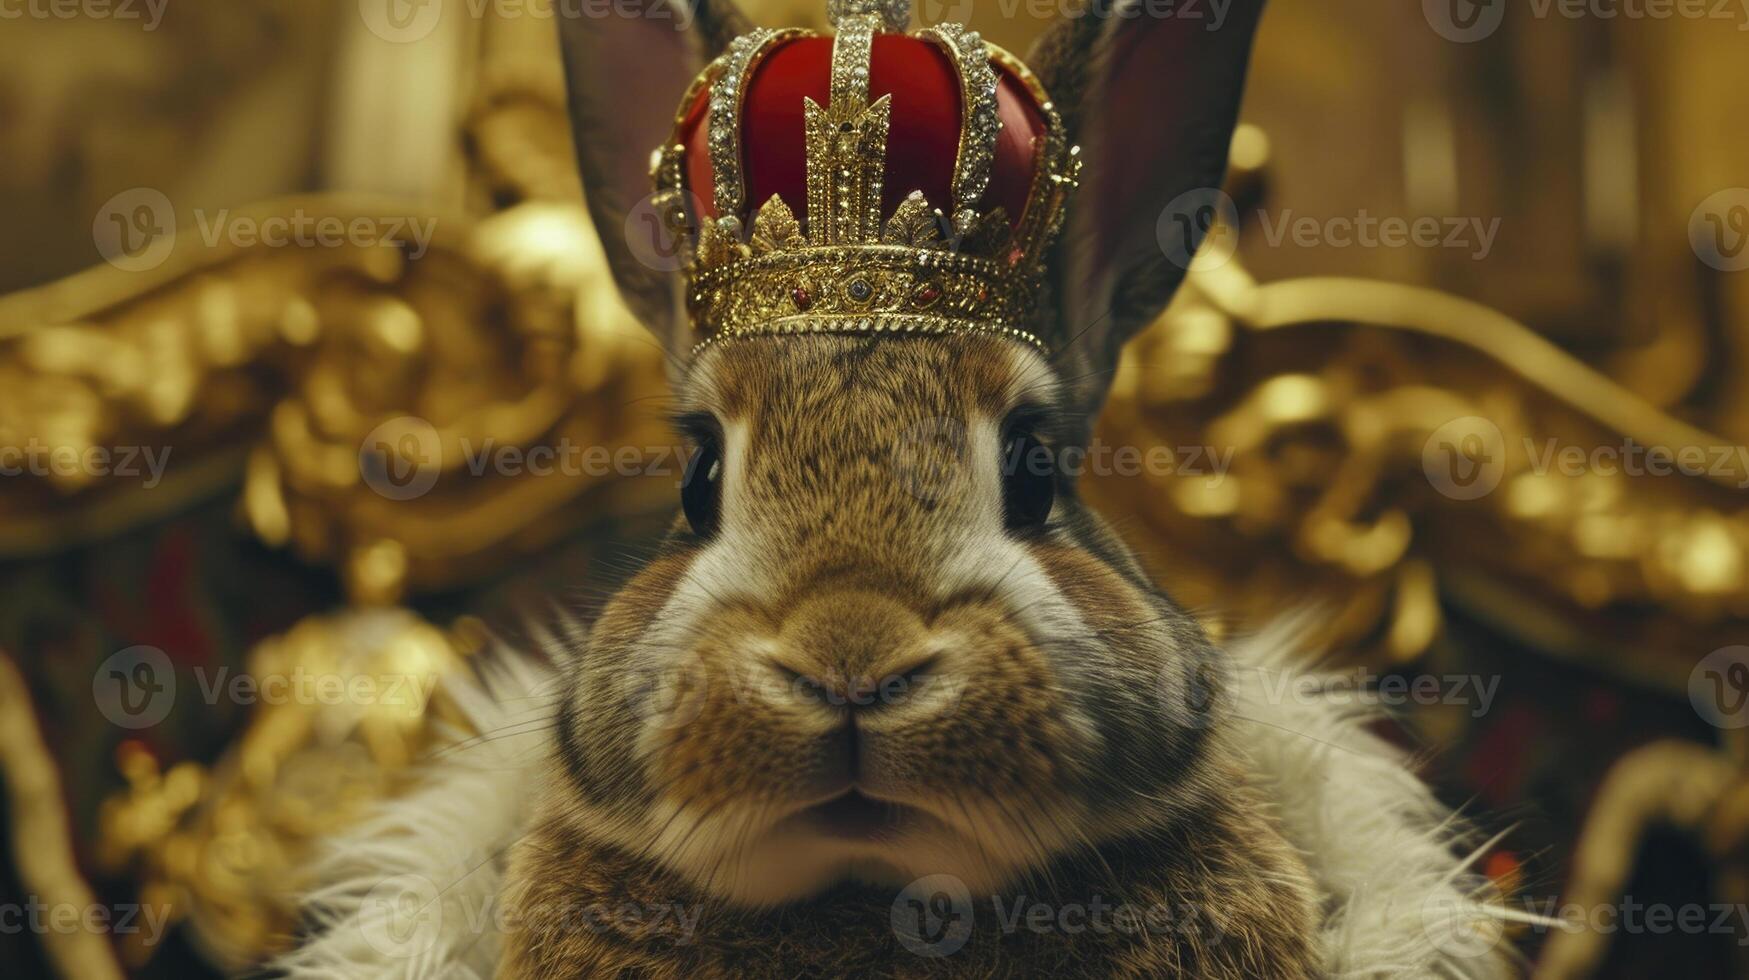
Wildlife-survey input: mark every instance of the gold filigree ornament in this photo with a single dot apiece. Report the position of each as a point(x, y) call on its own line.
point(842, 270)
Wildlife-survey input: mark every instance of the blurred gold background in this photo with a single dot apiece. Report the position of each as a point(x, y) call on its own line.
point(1574, 166)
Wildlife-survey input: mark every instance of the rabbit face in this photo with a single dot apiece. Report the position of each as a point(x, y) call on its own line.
point(887, 642)
point(882, 646)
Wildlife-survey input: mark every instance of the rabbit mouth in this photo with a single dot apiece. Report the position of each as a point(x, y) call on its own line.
point(857, 816)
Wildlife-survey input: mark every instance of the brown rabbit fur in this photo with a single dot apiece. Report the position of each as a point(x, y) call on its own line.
point(1036, 737)
point(1229, 910)
point(1061, 771)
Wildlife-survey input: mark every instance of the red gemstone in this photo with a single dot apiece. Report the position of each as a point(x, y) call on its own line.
point(802, 297)
point(928, 295)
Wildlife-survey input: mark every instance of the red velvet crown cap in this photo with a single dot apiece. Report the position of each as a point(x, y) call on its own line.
point(922, 141)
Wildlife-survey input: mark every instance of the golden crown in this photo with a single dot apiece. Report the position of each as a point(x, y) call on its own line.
point(841, 268)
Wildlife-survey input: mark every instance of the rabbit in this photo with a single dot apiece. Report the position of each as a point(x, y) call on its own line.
point(834, 683)
point(882, 705)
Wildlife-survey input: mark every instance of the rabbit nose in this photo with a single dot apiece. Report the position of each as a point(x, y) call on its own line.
point(862, 692)
point(854, 648)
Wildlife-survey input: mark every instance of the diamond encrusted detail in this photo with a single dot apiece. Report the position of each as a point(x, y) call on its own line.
point(895, 323)
point(891, 15)
point(982, 124)
point(791, 278)
point(724, 134)
point(851, 47)
point(1056, 171)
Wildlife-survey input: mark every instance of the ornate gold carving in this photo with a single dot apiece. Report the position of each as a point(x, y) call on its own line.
point(952, 290)
point(217, 847)
point(1328, 397)
point(914, 223)
point(889, 15)
point(847, 148)
point(776, 228)
point(1668, 785)
point(980, 125)
point(46, 862)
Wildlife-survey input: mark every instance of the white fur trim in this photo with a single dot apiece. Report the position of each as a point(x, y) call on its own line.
point(1381, 848)
point(413, 890)
point(1398, 899)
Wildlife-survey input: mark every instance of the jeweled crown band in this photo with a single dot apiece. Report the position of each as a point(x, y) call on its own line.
point(872, 326)
point(754, 269)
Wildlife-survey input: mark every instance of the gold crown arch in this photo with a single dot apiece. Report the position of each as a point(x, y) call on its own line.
point(921, 272)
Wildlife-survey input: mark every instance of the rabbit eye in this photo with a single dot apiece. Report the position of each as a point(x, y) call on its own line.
point(1029, 480)
point(701, 489)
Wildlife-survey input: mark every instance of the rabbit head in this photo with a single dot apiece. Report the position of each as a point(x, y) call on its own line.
point(885, 638)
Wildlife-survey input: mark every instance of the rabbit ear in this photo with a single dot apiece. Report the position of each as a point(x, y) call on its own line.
point(626, 71)
point(1152, 99)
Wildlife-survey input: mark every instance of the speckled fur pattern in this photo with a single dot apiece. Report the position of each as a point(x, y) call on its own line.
point(1220, 897)
point(1051, 741)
